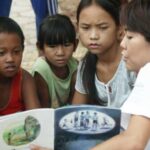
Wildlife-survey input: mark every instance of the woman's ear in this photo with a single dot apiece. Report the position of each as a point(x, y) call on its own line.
point(120, 34)
point(39, 49)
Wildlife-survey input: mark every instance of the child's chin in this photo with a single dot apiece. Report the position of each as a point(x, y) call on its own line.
point(10, 74)
point(61, 65)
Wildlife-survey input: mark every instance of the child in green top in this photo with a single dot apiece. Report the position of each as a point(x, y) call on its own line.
point(55, 71)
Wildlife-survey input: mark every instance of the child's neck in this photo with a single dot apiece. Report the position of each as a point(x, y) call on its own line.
point(113, 56)
point(5, 80)
point(5, 86)
point(60, 72)
point(106, 69)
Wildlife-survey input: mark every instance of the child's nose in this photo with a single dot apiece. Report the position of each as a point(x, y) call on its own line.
point(9, 57)
point(60, 50)
point(94, 34)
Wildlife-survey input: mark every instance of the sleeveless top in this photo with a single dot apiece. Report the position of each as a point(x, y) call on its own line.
point(58, 88)
point(15, 104)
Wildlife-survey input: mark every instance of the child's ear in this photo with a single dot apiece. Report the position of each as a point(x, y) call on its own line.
point(76, 44)
point(120, 34)
point(39, 49)
point(38, 45)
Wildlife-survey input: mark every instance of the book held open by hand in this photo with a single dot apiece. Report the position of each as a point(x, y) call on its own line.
point(66, 128)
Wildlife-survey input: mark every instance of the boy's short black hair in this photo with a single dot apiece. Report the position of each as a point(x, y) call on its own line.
point(8, 25)
point(56, 29)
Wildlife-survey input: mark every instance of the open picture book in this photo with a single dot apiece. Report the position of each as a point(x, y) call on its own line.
point(66, 128)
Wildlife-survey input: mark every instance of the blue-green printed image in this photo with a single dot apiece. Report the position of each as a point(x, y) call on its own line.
point(23, 132)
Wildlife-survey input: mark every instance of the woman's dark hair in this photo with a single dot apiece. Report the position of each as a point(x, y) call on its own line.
point(136, 17)
point(55, 30)
point(8, 25)
point(88, 67)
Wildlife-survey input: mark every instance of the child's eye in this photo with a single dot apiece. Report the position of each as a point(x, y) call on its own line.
point(103, 27)
point(17, 51)
point(52, 46)
point(67, 44)
point(1, 52)
point(85, 27)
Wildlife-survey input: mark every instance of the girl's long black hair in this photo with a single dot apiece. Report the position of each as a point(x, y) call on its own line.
point(89, 68)
point(90, 60)
point(56, 29)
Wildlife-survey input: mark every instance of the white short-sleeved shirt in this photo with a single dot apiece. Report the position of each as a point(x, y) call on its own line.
point(138, 102)
point(121, 85)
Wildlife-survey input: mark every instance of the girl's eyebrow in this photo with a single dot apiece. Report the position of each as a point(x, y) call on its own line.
point(103, 23)
point(18, 46)
point(99, 24)
point(82, 23)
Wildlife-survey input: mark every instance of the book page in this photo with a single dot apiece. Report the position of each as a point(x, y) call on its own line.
point(19, 130)
point(85, 126)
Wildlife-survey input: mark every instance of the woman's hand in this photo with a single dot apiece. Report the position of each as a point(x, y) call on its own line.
point(36, 147)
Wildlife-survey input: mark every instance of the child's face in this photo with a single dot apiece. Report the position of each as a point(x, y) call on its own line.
point(58, 55)
point(136, 50)
point(97, 30)
point(10, 54)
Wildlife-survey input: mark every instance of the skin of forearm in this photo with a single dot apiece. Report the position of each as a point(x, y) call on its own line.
point(120, 142)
